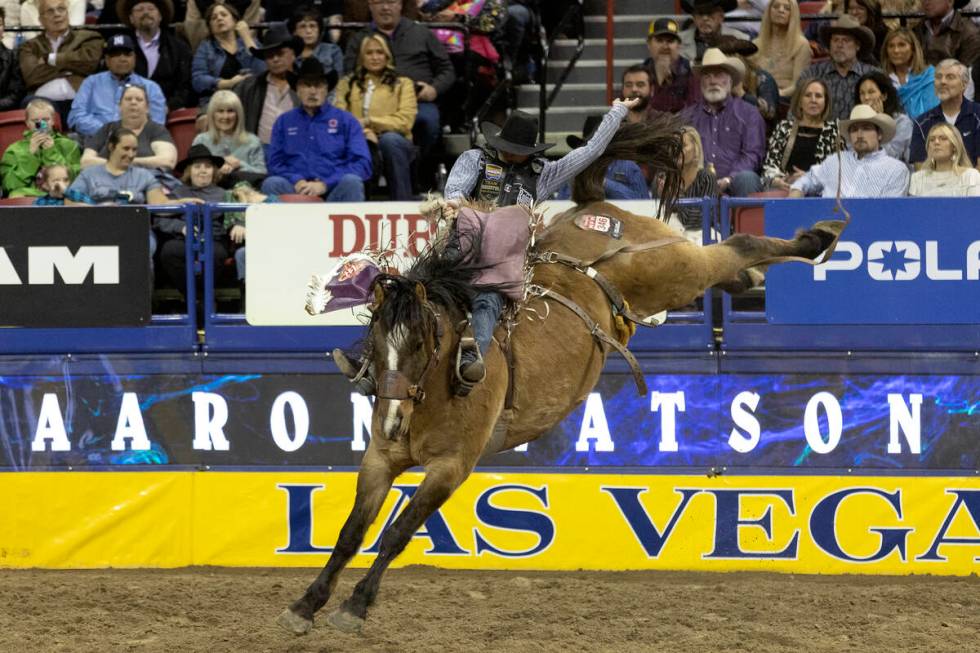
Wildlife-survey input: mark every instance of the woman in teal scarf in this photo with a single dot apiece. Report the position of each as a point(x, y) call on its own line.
point(902, 60)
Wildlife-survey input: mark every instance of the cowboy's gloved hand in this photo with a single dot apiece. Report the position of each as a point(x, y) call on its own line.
point(629, 103)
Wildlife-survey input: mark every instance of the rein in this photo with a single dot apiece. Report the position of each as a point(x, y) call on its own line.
point(395, 386)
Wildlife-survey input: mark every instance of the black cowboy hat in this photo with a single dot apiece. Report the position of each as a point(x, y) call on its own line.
point(311, 70)
point(733, 45)
point(196, 153)
point(591, 124)
point(519, 135)
point(276, 38)
point(125, 7)
point(708, 6)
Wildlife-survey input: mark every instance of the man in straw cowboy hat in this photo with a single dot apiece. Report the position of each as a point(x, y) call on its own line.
point(161, 55)
point(864, 169)
point(733, 134)
point(845, 38)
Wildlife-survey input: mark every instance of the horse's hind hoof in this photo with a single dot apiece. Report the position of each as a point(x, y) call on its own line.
point(294, 623)
point(345, 622)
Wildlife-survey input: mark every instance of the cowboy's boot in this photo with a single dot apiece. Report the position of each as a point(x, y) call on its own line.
point(470, 368)
point(357, 372)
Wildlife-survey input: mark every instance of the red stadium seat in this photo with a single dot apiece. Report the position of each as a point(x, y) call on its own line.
point(809, 8)
point(17, 201)
point(300, 199)
point(181, 123)
point(752, 219)
point(12, 126)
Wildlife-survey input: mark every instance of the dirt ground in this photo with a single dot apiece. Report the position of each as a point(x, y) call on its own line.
point(425, 609)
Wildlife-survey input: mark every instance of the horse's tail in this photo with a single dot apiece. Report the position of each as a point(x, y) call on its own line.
point(655, 143)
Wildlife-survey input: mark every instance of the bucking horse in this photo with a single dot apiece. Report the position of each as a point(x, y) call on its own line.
point(585, 292)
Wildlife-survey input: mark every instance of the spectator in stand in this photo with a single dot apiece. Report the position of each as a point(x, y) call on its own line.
point(637, 84)
point(876, 90)
point(624, 179)
point(56, 62)
point(783, 50)
point(31, 11)
point(317, 149)
point(709, 23)
point(732, 132)
point(384, 103)
point(278, 11)
point(53, 181)
point(419, 56)
point(867, 170)
point(675, 85)
point(118, 179)
point(868, 13)
point(11, 81)
point(804, 139)
point(161, 55)
point(269, 94)
point(757, 86)
point(224, 60)
point(696, 183)
point(41, 146)
point(306, 23)
point(845, 39)
point(198, 29)
point(243, 154)
point(901, 59)
point(199, 174)
point(155, 148)
point(953, 109)
point(945, 34)
point(947, 171)
point(520, 23)
point(97, 101)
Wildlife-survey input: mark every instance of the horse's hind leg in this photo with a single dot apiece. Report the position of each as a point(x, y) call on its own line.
point(373, 483)
point(442, 477)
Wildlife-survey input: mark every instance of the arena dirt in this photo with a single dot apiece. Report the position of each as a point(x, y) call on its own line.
point(431, 610)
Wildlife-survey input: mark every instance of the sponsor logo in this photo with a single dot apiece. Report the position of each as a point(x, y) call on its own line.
point(93, 264)
point(494, 172)
point(902, 260)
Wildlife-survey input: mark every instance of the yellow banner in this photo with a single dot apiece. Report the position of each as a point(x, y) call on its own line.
point(798, 524)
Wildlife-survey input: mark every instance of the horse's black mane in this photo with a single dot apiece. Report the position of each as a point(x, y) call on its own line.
point(448, 276)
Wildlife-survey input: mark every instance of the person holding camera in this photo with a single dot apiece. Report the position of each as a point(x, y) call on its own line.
point(42, 146)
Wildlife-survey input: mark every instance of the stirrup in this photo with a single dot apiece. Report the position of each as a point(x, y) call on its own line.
point(360, 377)
point(476, 369)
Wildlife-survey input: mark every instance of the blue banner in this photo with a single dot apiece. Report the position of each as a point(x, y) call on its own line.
point(900, 261)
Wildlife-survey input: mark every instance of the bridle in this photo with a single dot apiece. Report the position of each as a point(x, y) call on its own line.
point(395, 386)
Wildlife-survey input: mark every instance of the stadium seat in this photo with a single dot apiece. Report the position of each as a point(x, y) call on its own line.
point(809, 8)
point(17, 201)
point(300, 199)
point(181, 123)
point(12, 126)
point(752, 219)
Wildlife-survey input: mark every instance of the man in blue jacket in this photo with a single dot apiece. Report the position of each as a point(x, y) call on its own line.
point(317, 149)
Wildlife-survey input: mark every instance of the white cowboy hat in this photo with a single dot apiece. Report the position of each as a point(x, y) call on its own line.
point(864, 113)
point(715, 58)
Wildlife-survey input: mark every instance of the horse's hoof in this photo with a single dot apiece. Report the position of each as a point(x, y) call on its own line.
point(294, 623)
point(345, 622)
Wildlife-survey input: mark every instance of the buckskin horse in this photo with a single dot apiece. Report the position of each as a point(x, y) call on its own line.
point(418, 420)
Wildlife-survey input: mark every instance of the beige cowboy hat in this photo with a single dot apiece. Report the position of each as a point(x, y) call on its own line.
point(715, 58)
point(864, 113)
point(848, 25)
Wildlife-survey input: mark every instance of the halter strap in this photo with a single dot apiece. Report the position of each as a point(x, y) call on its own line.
point(394, 385)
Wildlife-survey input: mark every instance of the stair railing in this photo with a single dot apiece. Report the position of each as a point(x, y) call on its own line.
point(574, 15)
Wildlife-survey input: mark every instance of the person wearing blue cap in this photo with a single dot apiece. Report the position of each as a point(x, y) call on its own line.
point(97, 100)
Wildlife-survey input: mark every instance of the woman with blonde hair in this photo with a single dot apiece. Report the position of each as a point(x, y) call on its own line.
point(226, 137)
point(783, 50)
point(385, 105)
point(904, 63)
point(946, 171)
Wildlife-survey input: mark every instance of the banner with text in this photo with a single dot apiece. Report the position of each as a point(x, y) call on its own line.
point(900, 261)
point(792, 421)
point(795, 524)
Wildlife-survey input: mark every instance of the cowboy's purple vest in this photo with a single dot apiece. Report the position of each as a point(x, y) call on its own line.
point(508, 184)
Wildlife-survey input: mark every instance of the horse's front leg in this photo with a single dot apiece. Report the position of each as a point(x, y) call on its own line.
point(374, 480)
point(442, 477)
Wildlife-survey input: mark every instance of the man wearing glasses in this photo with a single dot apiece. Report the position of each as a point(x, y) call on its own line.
point(419, 56)
point(56, 62)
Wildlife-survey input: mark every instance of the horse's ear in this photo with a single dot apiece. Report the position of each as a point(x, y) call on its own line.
point(420, 292)
point(379, 294)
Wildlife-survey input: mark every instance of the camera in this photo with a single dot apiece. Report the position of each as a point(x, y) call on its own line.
point(41, 125)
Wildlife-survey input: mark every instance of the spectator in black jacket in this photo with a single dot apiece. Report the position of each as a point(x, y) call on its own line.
point(268, 95)
point(161, 55)
point(952, 78)
point(419, 56)
point(11, 82)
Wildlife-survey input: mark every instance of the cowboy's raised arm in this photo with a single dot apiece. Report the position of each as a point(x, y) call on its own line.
point(556, 173)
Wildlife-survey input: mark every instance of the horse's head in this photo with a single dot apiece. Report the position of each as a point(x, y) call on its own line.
point(404, 345)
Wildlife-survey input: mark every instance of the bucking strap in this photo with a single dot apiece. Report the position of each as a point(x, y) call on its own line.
point(596, 331)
